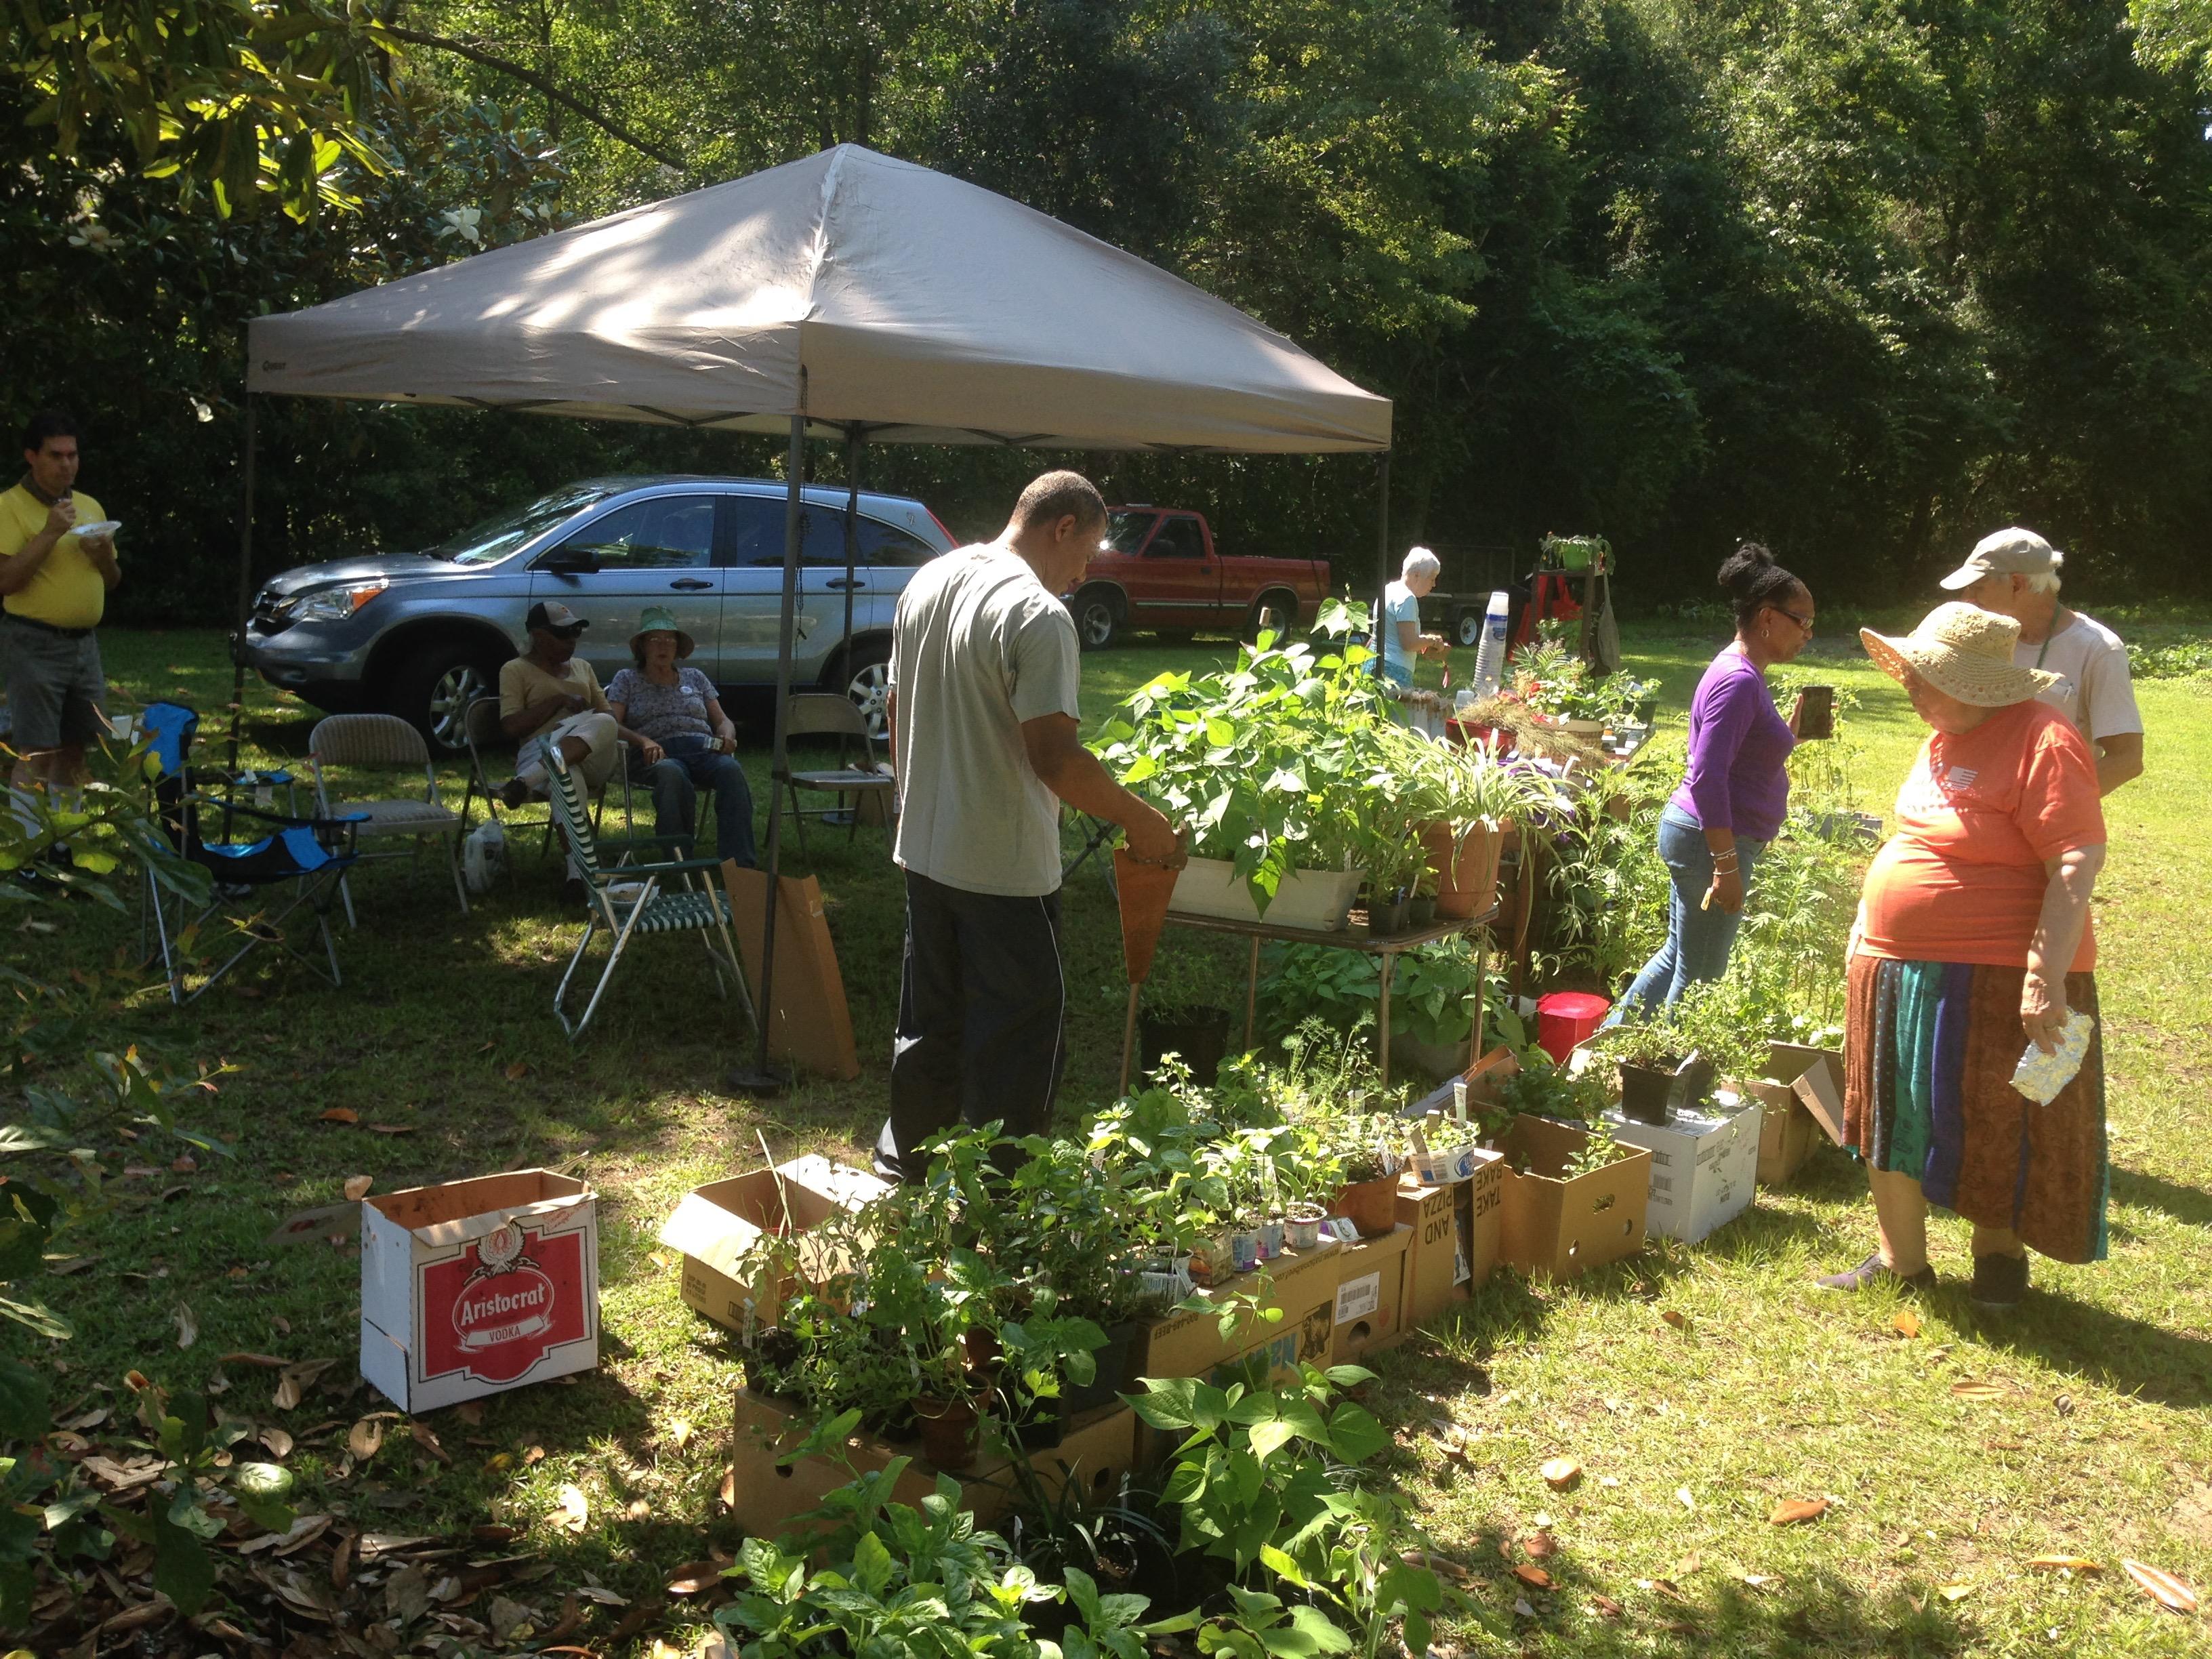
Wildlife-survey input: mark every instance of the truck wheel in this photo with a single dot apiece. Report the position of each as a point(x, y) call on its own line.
point(1097, 617)
point(432, 690)
point(1278, 609)
point(1468, 628)
point(865, 678)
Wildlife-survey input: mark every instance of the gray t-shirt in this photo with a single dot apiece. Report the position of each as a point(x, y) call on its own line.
point(662, 712)
point(2093, 691)
point(979, 647)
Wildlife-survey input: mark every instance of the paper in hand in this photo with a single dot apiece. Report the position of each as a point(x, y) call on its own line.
point(2040, 1076)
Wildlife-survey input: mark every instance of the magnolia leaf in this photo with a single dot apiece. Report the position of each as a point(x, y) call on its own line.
point(1561, 1474)
point(2161, 1586)
point(1791, 1510)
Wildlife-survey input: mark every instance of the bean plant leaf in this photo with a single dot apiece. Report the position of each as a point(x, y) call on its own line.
point(183, 1570)
point(262, 1490)
point(23, 1407)
point(1354, 1433)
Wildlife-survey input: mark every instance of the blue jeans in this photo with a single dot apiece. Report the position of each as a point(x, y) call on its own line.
point(676, 783)
point(1698, 940)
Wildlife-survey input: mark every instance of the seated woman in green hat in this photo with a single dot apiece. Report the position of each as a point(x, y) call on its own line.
point(677, 708)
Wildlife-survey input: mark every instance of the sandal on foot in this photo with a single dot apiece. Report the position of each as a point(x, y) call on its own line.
point(1874, 1271)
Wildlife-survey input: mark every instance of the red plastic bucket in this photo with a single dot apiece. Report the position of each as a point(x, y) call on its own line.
point(1565, 1017)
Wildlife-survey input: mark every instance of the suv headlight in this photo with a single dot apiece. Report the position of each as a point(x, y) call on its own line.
point(332, 603)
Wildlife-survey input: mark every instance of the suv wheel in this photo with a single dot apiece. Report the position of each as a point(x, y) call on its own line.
point(867, 677)
point(1097, 617)
point(435, 688)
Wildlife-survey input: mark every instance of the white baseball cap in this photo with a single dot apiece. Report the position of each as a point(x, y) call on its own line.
point(2012, 552)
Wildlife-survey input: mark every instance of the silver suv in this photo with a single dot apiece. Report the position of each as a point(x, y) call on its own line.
point(421, 635)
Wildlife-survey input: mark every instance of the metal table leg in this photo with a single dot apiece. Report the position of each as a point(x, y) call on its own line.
point(1382, 1036)
point(1252, 996)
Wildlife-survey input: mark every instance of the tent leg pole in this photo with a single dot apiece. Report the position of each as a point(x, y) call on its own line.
point(1382, 549)
point(759, 1078)
point(243, 612)
point(852, 535)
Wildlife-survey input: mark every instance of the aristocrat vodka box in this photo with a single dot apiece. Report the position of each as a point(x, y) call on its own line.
point(476, 1286)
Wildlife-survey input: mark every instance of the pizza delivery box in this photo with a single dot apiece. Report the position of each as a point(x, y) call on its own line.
point(473, 1287)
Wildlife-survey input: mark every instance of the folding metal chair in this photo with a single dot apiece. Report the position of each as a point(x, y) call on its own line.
point(486, 736)
point(830, 714)
point(629, 898)
point(384, 740)
point(312, 854)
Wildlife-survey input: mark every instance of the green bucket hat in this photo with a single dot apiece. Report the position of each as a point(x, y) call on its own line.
point(660, 619)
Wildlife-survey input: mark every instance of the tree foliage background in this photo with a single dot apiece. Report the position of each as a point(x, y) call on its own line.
point(1863, 278)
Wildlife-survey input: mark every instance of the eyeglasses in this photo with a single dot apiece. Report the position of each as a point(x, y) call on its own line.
point(1805, 622)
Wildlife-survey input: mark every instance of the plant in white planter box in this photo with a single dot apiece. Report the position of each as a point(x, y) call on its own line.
point(1266, 763)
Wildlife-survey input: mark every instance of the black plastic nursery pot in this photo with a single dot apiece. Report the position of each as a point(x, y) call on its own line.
point(1420, 912)
point(1644, 1090)
point(1386, 918)
point(1113, 1363)
point(1200, 1034)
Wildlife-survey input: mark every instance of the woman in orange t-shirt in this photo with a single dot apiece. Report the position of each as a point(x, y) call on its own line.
point(1974, 941)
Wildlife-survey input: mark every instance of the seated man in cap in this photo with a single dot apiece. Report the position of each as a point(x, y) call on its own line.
point(550, 695)
point(2014, 572)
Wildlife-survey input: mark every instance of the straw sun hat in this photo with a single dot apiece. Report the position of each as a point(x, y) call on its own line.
point(1963, 651)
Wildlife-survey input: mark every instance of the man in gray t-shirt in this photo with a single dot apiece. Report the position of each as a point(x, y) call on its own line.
point(985, 734)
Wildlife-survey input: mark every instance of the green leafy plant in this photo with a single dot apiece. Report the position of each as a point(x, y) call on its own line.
point(1598, 1151)
point(1267, 762)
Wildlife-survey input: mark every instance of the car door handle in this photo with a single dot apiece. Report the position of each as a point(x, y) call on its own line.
point(843, 581)
point(690, 584)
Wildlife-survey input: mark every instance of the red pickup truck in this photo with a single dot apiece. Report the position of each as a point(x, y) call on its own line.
point(1159, 570)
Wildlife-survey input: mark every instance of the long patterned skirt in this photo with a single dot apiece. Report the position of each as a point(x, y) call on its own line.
point(1930, 1053)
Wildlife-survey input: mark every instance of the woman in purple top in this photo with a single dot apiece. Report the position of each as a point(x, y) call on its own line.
point(1736, 791)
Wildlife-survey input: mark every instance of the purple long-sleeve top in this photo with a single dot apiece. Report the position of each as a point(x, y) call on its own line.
point(1738, 745)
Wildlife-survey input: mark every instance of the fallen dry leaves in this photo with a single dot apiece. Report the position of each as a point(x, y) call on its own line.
point(1790, 1511)
point(2161, 1586)
point(1535, 1578)
point(575, 1512)
point(365, 1439)
point(1561, 1474)
point(2064, 1564)
point(1969, 1389)
point(1907, 1323)
point(339, 1115)
point(356, 1188)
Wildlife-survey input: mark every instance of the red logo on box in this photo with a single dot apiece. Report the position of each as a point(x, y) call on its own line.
point(496, 1310)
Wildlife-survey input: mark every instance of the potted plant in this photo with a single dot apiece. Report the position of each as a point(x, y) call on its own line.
point(1421, 901)
point(1649, 1053)
point(1370, 1150)
point(1179, 1012)
point(1267, 762)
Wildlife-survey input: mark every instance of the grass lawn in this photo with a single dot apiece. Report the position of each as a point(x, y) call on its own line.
point(2099, 1445)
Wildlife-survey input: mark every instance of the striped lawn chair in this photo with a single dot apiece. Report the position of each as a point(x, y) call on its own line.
point(662, 896)
point(384, 740)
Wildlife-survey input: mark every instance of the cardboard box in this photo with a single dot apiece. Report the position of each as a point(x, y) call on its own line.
point(1303, 1285)
point(1368, 1314)
point(811, 1025)
point(1562, 1228)
point(476, 1286)
point(1097, 1452)
point(717, 1223)
point(1704, 1166)
point(1802, 1095)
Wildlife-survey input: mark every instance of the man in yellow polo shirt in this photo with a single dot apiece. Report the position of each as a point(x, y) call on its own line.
point(56, 570)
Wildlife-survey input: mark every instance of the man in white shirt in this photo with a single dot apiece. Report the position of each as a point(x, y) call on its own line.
point(2014, 572)
point(985, 739)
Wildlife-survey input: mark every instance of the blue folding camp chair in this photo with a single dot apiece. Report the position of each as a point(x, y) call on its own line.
point(311, 854)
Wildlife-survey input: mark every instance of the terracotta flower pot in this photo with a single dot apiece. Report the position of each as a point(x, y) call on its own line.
point(948, 1431)
point(1467, 884)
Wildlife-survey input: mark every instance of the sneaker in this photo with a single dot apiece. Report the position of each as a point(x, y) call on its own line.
point(1873, 1271)
point(2000, 1282)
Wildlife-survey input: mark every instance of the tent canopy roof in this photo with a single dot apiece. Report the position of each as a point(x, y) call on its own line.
point(851, 288)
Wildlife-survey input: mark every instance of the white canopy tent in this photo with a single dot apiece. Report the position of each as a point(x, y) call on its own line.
point(848, 295)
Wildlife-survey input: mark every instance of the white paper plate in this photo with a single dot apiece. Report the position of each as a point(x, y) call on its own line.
point(98, 527)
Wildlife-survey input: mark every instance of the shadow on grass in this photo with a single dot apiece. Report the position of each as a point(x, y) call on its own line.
point(2185, 1204)
point(1821, 1613)
point(2130, 1356)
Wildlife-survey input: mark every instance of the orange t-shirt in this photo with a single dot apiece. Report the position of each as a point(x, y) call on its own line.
point(1963, 878)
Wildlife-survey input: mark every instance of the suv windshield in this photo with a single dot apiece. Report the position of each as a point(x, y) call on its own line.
point(1125, 529)
point(500, 534)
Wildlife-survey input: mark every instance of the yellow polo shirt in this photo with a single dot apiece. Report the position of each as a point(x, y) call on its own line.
point(68, 590)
